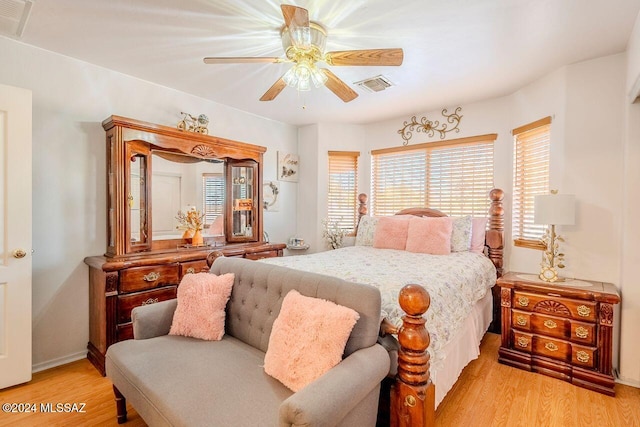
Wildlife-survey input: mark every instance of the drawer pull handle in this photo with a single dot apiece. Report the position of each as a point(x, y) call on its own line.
point(582, 356)
point(151, 277)
point(582, 332)
point(550, 324)
point(191, 270)
point(584, 311)
point(551, 346)
point(521, 321)
point(150, 301)
point(523, 301)
point(523, 342)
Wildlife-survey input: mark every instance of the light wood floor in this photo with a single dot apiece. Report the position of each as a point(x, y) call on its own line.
point(487, 394)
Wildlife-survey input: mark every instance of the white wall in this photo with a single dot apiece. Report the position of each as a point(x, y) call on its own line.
point(70, 100)
point(630, 270)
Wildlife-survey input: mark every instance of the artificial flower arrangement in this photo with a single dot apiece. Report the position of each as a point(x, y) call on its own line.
point(191, 221)
point(332, 233)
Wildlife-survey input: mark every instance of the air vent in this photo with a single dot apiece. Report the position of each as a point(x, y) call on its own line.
point(375, 84)
point(13, 16)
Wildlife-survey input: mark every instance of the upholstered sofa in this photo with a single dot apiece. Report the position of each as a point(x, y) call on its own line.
point(182, 381)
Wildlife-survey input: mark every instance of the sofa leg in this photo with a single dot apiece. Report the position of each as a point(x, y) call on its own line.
point(121, 406)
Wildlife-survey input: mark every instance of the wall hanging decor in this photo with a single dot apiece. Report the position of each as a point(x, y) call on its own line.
point(431, 127)
point(270, 193)
point(288, 167)
point(194, 124)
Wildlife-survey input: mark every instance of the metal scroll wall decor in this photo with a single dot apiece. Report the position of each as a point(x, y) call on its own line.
point(431, 127)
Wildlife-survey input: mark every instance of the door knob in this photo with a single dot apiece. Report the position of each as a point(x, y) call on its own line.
point(19, 253)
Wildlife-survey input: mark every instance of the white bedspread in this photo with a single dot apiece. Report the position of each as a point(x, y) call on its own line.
point(454, 282)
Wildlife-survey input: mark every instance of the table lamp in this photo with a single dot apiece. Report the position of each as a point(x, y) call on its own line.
point(553, 209)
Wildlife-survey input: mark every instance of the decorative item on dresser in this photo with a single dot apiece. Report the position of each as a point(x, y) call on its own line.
point(146, 255)
point(561, 330)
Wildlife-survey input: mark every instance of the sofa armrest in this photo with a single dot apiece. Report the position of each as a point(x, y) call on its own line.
point(153, 320)
point(327, 400)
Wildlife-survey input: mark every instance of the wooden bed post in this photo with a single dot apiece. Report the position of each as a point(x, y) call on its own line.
point(495, 234)
point(413, 393)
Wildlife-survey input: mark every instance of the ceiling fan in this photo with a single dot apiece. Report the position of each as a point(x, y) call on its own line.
point(304, 43)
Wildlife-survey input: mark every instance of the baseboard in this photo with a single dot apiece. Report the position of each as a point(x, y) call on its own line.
point(59, 361)
point(630, 383)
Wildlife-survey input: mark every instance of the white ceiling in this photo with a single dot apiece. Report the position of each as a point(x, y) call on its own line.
point(455, 51)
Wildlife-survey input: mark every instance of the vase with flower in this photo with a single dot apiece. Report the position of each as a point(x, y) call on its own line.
point(191, 221)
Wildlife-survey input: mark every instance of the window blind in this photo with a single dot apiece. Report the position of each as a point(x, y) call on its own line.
point(453, 176)
point(343, 188)
point(530, 178)
point(213, 190)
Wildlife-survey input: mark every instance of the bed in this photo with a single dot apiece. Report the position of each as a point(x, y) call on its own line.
point(452, 294)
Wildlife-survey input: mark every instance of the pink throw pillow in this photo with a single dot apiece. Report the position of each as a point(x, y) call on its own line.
point(430, 235)
point(478, 231)
point(391, 232)
point(217, 226)
point(307, 339)
point(200, 313)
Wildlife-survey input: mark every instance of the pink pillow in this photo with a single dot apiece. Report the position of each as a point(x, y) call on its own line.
point(430, 235)
point(307, 339)
point(202, 298)
point(391, 232)
point(478, 230)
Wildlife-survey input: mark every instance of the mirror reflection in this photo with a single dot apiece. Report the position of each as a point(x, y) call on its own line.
point(180, 183)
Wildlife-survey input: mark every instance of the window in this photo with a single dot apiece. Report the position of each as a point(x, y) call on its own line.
point(530, 178)
point(453, 176)
point(343, 188)
point(212, 196)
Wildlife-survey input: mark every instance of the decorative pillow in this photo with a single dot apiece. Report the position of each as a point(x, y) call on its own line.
point(307, 339)
point(430, 235)
point(478, 231)
point(461, 234)
point(217, 226)
point(366, 230)
point(391, 232)
point(202, 298)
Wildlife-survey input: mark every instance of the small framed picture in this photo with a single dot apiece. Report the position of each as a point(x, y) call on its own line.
point(288, 167)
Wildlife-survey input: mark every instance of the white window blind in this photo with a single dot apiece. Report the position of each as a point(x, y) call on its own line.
point(213, 190)
point(530, 178)
point(453, 176)
point(343, 188)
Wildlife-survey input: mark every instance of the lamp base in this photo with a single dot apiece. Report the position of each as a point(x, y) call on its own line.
point(549, 274)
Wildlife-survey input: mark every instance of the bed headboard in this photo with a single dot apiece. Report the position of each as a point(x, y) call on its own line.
point(494, 238)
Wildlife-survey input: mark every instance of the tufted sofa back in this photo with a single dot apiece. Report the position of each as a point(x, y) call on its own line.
point(259, 289)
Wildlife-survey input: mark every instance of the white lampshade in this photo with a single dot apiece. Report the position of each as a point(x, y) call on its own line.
point(556, 209)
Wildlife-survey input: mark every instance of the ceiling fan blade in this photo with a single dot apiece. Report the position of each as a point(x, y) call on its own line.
point(295, 16)
point(365, 57)
point(274, 90)
point(242, 59)
point(339, 87)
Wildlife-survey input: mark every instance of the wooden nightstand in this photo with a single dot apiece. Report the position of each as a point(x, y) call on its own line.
point(564, 330)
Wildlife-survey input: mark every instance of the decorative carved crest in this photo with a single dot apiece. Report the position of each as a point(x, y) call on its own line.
point(203, 151)
point(606, 314)
point(554, 307)
point(506, 297)
point(430, 127)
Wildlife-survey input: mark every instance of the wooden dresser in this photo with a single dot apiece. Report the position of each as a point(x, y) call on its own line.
point(153, 171)
point(561, 330)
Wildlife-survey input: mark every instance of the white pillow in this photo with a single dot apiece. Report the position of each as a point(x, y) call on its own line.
point(461, 234)
point(366, 230)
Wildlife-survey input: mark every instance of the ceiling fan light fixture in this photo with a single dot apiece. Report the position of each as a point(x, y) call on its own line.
point(302, 74)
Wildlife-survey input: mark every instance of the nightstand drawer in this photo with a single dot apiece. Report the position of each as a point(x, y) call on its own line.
point(141, 278)
point(551, 326)
point(522, 341)
point(584, 333)
point(556, 306)
point(549, 347)
point(583, 356)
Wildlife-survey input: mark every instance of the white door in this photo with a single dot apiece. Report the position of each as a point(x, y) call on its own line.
point(15, 236)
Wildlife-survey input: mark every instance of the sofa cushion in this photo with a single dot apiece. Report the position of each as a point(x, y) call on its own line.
point(307, 339)
point(166, 377)
point(202, 298)
point(259, 289)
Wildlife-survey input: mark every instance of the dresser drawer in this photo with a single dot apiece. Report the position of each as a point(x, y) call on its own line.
point(193, 267)
point(126, 303)
point(141, 278)
point(550, 347)
point(583, 356)
point(125, 331)
point(261, 255)
point(556, 306)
